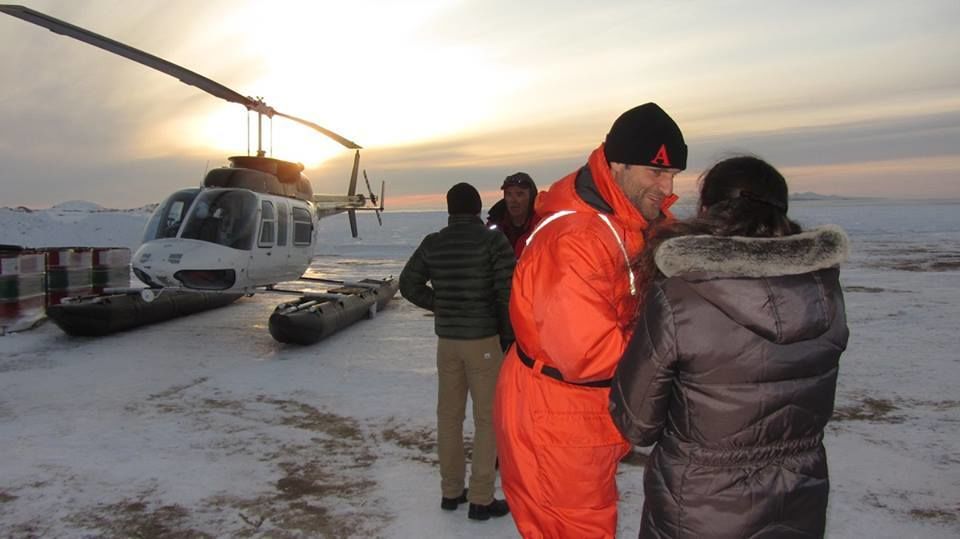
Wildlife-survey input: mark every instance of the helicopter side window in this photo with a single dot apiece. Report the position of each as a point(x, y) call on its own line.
point(283, 217)
point(267, 224)
point(302, 227)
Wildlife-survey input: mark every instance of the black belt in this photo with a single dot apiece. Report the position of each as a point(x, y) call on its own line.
point(552, 372)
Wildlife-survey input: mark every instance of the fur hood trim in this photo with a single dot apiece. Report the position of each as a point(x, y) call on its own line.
point(819, 248)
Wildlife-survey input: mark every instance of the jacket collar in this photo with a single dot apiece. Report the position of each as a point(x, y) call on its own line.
point(819, 248)
point(463, 219)
point(587, 190)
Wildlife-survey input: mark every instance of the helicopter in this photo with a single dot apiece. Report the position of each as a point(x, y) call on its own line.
point(250, 225)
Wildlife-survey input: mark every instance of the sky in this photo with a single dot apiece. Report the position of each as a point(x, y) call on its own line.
point(857, 98)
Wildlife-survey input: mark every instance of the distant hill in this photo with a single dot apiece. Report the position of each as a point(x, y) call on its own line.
point(83, 206)
point(73, 223)
point(687, 199)
point(818, 196)
point(77, 205)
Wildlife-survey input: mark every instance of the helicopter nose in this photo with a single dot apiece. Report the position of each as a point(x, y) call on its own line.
point(183, 263)
point(220, 279)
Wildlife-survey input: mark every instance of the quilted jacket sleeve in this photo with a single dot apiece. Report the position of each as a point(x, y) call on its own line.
point(502, 262)
point(414, 277)
point(640, 391)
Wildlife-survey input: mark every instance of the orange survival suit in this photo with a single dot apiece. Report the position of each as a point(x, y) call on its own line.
point(571, 308)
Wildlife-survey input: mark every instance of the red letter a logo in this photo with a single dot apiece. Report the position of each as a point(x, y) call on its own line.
point(661, 157)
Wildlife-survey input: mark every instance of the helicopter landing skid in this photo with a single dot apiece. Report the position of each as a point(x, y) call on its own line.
point(119, 309)
point(316, 315)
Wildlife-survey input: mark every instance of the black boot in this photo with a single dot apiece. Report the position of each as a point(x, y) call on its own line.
point(496, 508)
point(451, 504)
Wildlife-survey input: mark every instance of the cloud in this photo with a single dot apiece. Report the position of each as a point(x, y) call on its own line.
point(476, 90)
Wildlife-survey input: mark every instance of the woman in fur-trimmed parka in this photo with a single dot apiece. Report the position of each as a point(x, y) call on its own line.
point(732, 367)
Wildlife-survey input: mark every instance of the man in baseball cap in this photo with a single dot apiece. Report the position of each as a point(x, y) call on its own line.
point(573, 298)
point(513, 214)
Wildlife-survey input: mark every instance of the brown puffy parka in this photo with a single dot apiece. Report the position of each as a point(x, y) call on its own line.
point(732, 371)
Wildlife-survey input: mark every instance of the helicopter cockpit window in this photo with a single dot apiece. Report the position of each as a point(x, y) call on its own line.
point(267, 224)
point(302, 227)
point(223, 216)
point(167, 218)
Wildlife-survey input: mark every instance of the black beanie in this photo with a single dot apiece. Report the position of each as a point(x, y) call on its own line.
point(648, 136)
point(463, 198)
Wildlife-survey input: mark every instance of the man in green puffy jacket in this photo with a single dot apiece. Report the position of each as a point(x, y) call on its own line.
point(469, 268)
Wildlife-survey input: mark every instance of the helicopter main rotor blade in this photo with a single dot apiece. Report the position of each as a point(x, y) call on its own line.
point(342, 140)
point(183, 74)
point(102, 42)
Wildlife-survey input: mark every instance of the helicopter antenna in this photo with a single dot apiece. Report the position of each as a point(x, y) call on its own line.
point(184, 75)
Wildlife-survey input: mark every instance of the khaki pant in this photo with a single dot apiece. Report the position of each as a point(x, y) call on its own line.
point(467, 365)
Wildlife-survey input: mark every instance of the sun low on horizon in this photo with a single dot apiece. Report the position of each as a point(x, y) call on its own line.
point(371, 72)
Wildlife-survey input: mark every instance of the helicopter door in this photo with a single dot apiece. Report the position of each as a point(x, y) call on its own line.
point(268, 263)
point(300, 250)
point(294, 256)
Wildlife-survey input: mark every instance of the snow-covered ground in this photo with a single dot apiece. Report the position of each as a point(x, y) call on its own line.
point(207, 427)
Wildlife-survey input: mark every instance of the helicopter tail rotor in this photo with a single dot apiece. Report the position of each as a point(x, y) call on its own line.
point(373, 197)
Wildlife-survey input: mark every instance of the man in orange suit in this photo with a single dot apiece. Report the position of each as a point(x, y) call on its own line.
point(574, 296)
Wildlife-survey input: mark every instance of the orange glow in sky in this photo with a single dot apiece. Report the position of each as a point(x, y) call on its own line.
point(860, 100)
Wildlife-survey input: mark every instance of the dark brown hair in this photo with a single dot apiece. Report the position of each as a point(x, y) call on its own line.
point(739, 196)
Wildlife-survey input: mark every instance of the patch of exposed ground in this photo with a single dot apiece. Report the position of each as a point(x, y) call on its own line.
point(176, 390)
point(25, 361)
point(930, 258)
point(4, 497)
point(138, 518)
point(882, 410)
point(899, 502)
point(322, 486)
point(866, 289)
point(306, 502)
point(941, 406)
point(420, 442)
point(318, 479)
point(868, 409)
point(6, 411)
point(945, 516)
